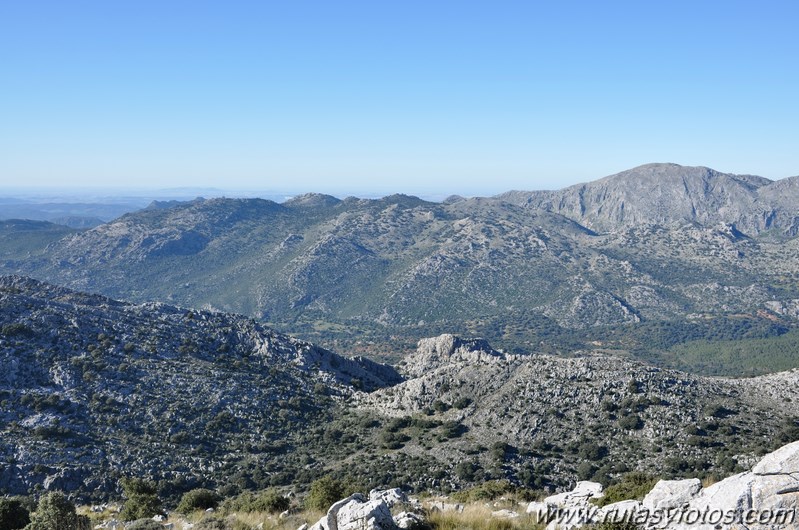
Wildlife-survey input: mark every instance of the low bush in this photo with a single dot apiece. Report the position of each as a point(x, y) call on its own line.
point(634, 485)
point(324, 492)
point(269, 500)
point(198, 499)
point(142, 500)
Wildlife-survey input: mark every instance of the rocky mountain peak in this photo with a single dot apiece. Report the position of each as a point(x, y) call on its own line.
point(312, 200)
point(432, 353)
point(670, 194)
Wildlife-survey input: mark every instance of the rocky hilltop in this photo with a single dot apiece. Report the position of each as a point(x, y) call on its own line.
point(590, 412)
point(669, 194)
point(710, 254)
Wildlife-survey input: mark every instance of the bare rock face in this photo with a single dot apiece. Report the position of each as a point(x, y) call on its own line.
point(391, 497)
point(619, 512)
point(432, 353)
point(783, 461)
point(671, 494)
point(766, 498)
point(582, 492)
point(77, 369)
point(668, 194)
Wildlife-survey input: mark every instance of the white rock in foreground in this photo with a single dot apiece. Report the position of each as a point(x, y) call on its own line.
point(356, 513)
point(766, 498)
point(672, 494)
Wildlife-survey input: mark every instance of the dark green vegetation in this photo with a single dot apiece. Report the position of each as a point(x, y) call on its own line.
point(22, 239)
point(142, 500)
point(734, 346)
point(55, 512)
point(324, 492)
point(198, 499)
point(13, 514)
point(736, 358)
point(269, 501)
point(693, 252)
point(633, 485)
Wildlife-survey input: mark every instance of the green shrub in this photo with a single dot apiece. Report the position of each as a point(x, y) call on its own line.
point(440, 406)
point(16, 329)
point(269, 500)
point(486, 491)
point(634, 485)
point(142, 500)
point(592, 451)
point(13, 514)
point(631, 422)
point(462, 403)
point(468, 470)
point(55, 512)
point(324, 492)
point(452, 429)
point(198, 499)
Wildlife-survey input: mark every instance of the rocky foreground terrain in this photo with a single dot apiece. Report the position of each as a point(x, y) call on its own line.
point(763, 498)
point(93, 390)
point(708, 254)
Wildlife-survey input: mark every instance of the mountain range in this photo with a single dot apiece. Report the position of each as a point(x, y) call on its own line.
point(652, 259)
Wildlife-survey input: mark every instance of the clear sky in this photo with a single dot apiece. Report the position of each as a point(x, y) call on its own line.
point(384, 96)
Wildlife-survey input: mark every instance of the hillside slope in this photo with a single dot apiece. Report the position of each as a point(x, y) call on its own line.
point(92, 388)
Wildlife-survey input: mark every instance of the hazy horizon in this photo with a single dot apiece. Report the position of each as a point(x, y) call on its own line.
point(376, 98)
point(121, 192)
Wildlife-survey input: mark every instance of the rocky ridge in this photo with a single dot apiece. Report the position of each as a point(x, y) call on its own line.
point(374, 276)
point(92, 388)
point(582, 410)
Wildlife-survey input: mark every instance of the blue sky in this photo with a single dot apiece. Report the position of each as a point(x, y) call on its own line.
point(377, 97)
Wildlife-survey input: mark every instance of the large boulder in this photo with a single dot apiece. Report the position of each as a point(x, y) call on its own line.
point(783, 461)
point(671, 494)
point(619, 512)
point(391, 497)
point(356, 513)
point(568, 510)
point(583, 491)
point(370, 515)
